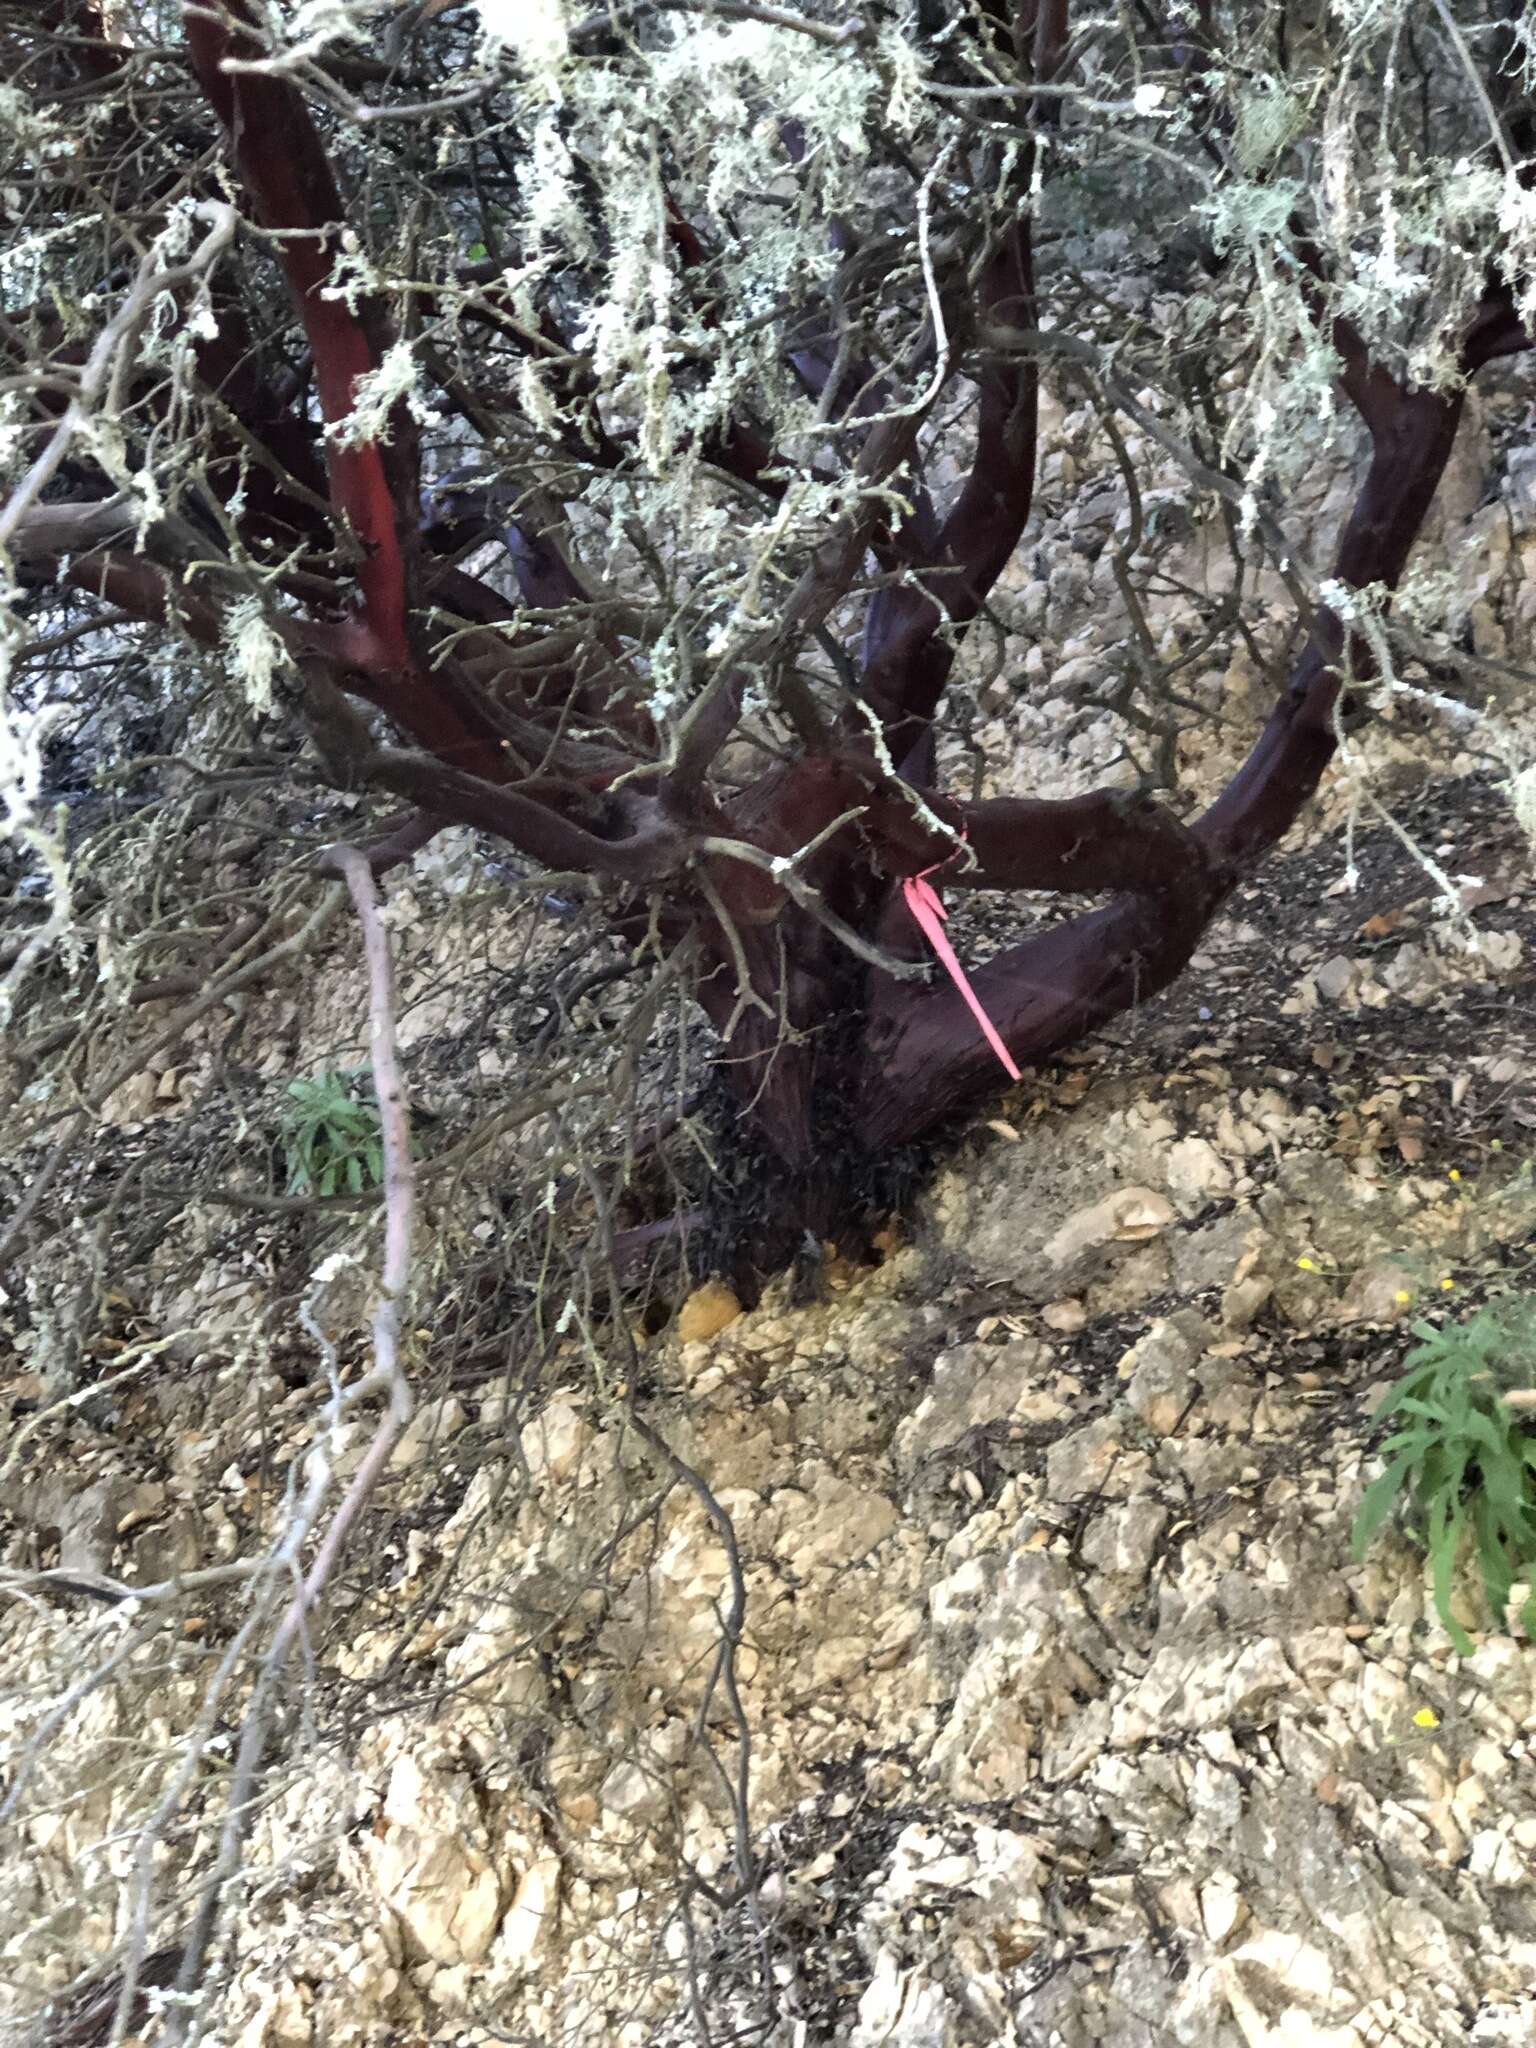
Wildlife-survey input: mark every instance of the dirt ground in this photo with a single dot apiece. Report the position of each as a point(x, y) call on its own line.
point(974, 1653)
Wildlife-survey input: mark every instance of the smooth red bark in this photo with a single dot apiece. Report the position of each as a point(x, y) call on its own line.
point(815, 1038)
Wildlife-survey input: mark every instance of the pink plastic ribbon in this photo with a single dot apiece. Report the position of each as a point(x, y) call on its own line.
point(923, 902)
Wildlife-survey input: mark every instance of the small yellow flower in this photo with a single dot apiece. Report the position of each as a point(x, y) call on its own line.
point(1426, 1717)
point(1454, 1174)
point(1447, 1284)
point(1402, 1297)
point(1307, 1265)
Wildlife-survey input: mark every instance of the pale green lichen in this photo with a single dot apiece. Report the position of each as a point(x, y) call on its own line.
point(256, 653)
point(396, 381)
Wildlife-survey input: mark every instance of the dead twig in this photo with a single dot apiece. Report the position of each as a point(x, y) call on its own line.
point(387, 1377)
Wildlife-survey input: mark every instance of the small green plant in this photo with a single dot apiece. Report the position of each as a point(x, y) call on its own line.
point(332, 1143)
point(1461, 1460)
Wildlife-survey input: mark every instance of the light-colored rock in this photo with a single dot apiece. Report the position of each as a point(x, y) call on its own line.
point(903, 2008)
point(975, 1570)
point(1260, 1675)
point(1243, 1300)
point(131, 1102)
point(633, 1792)
point(1023, 1678)
point(973, 1385)
point(1125, 1538)
point(84, 1519)
point(1494, 1858)
point(1211, 1255)
point(1160, 1370)
point(1129, 1216)
point(429, 1869)
point(282, 2020)
point(1381, 1292)
point(1335, 977)
point(1299, 1970)
point(1081, 1462)
point(1067, 1316)
point(1133, 1274)
point(1267, 2024)
point(1197, 1173)
point(923, 1861)
point(434, 1424)
point(1222, 1909)
point(956, 1602)
point(533, 1917)
point(554, 1442)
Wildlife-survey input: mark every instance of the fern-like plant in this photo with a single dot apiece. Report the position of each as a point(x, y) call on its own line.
point(1460, 1460)
point(331, 1141)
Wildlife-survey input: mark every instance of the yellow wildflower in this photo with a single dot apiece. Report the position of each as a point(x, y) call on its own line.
point(1426, 1717)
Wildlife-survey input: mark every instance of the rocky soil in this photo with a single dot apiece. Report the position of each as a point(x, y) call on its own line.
point(963, 1649)
point(984, 1661)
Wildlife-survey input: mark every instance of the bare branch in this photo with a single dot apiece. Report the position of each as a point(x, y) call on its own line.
point(387, 1378)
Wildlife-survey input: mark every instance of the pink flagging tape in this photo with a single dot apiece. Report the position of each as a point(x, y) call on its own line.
point(924, 904)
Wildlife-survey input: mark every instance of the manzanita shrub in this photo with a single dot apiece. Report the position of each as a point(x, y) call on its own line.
point(611, 429)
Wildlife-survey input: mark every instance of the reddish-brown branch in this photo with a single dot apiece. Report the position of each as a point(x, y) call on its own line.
point(1497, 329)
point(81, 36)
point(907, 657)
point(403, 839)
point(800, 1015)
point(133, 584)
point(1106, 840)
point(772, 1044)
point(925, 1058)
point(1110, 839)
point(229, 365)
point(650, 850)
point(1051, 25)
point(1412, 434)
point(283, 165)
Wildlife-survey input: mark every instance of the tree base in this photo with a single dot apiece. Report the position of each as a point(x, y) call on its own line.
point(757, 1216)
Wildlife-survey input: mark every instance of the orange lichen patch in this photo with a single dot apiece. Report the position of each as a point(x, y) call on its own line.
point(706, 1312)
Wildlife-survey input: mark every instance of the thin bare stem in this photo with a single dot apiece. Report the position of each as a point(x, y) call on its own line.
point(387, 1377)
